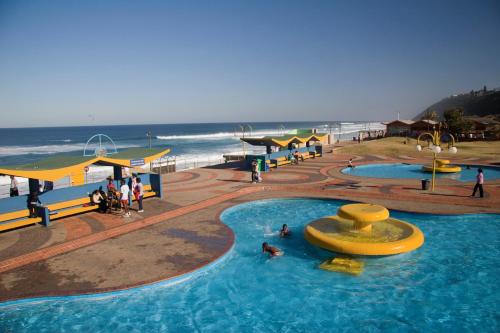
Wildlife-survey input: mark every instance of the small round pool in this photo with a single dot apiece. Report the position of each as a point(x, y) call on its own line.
point(449, 284)
point(404, 170)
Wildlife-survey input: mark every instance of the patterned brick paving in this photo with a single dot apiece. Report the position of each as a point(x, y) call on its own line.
point(203, 190)
point(117, 231)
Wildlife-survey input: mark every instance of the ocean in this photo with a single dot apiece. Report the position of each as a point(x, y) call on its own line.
point(193, 145)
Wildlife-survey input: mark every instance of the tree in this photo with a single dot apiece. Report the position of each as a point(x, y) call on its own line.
point(430, 115)
point(456, 123)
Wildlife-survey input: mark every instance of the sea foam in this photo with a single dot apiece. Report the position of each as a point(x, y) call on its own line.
point(218, 136)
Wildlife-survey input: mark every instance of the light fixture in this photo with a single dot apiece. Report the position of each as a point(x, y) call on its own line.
point(436, 149)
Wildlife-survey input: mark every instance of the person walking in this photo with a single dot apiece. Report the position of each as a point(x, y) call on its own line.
point(479, 184)
point(254, 171)
point(139, 194)
point(124, 193)
point(14, 190)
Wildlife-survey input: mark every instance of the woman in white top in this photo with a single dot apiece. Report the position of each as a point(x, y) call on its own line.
point(124, 192)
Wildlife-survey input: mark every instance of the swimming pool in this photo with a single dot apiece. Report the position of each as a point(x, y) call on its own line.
point(402, 170)
point(450, 284)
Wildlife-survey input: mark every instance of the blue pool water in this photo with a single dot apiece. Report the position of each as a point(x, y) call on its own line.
point(400, 170)
point(449, 284)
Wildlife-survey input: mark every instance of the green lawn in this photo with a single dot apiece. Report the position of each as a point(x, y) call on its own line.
point(395, 147)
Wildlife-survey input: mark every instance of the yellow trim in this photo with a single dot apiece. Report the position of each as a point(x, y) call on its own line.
point(14, 215)
point(67, 204)
point(21, 223)
point(72, 211)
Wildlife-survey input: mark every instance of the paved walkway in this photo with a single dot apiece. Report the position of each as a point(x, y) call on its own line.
point(95, 252)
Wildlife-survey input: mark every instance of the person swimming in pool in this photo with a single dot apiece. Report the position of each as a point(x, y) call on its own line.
point(273, 251)
point(285, 231)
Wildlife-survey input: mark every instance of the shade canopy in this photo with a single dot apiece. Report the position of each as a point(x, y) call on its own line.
point(284, 140)
point(61, 166)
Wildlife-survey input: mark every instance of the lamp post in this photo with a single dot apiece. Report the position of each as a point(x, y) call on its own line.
point(148, 134)
point(281, 130)
point(435, 147)
point(242, 128)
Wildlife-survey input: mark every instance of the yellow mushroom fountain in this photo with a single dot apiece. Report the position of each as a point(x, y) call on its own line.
point(442, 166)
point(363, 229)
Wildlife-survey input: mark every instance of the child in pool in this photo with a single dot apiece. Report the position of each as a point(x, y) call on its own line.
point(284, 232)
point(273, 251)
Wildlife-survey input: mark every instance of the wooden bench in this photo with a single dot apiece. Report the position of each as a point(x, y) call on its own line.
point(281, 161)
point(17, 219)
point(271, 165)
point(71, 207)
point(307, 154)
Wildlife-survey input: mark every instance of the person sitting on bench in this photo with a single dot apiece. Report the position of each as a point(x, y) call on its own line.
point(33, 203)
point(98, 199)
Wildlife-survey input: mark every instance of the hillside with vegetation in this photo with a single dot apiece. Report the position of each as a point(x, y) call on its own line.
point(480, 103)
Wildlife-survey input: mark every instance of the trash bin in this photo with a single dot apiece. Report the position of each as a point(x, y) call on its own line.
point(425, 184)
point(260, 165)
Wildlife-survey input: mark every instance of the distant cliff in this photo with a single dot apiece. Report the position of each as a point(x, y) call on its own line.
point(476, 103)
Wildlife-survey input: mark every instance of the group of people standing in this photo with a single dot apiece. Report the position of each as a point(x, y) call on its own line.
point(123, 196)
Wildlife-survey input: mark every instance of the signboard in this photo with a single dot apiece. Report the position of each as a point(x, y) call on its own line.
point(137, 162)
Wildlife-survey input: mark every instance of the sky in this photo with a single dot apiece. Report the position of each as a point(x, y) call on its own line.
point(67, 63)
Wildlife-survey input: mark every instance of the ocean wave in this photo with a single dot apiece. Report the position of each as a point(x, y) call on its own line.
point(217, 136)
point(346, 128)
point(49, 149)
point(39, 150)
point(61, 140)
